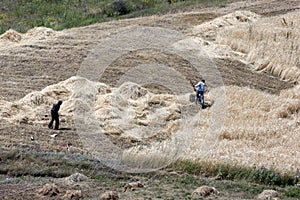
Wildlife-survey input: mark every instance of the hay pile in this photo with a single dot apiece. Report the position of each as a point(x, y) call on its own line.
point(209, 30)
point(12, 37)
point(39, 33)
point(119, 111)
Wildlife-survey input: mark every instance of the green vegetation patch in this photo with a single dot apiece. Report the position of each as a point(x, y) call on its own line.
point(221, 171)
point(23, 15)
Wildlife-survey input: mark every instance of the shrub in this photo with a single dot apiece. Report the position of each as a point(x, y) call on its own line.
point(292, 192)
point(116, 8)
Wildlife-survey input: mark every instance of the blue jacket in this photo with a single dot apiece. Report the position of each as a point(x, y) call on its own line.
point(200, 86)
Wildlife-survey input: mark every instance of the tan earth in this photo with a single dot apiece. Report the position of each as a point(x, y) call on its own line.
point(248, 54)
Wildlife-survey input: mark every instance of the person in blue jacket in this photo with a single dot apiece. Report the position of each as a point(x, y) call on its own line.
point(54, 115)
point(200, 88)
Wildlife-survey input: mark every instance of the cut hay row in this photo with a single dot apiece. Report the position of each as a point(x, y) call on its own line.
point(272, 44)
point(210, 29)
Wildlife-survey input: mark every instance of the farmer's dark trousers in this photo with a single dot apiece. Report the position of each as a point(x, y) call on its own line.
point(54, 117)
point(201, 94)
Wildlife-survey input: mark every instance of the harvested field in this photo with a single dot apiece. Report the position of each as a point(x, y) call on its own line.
point(123, 120)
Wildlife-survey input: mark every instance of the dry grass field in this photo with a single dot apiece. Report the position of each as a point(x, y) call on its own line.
point(249, 55)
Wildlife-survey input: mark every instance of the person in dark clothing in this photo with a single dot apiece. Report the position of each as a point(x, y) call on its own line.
point(54, 115)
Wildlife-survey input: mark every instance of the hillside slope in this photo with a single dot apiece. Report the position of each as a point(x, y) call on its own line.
point(126, 88)
point(121, 51)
